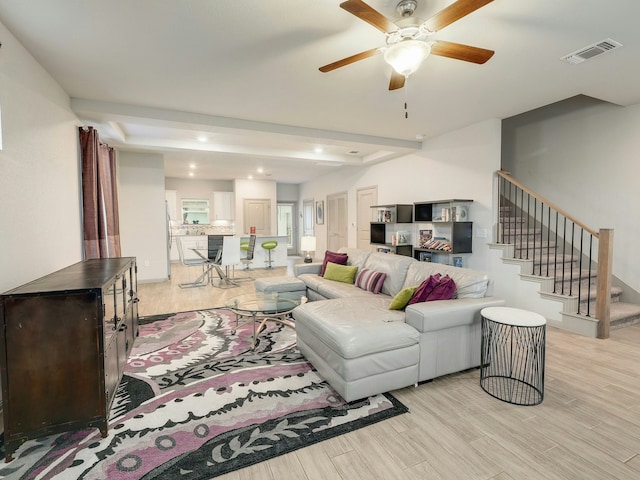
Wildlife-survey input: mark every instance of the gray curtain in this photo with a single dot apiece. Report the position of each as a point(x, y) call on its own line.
point(99, 197)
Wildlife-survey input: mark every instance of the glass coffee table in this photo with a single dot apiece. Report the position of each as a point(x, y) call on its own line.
point(263, 307)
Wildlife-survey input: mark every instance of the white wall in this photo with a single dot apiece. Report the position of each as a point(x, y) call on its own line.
point(255, 189)
point(460, 164)
point(287, 192)
point(582, 154)
point(141, 202)
point(40, 210)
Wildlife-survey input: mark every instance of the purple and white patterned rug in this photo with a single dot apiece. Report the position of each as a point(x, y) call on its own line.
point(196, 402)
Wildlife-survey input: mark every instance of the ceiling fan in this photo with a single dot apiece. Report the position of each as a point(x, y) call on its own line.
point(410, 41)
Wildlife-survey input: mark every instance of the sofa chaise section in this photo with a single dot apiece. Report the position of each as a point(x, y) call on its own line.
point(359, 352)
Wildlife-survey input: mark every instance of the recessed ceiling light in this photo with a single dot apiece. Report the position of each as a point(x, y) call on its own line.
point(318, 150)
point(192, 166)
point(191, 174)
point(202, 138)
point(250, 177)
point(260, 170)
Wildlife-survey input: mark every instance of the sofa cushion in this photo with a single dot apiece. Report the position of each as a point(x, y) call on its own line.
point(340, 273)
point(402, 298)
point(335, 257)
point(353, 328)
point(330, 289)
point(356, 256)
point(395, 267)
point(370, 280)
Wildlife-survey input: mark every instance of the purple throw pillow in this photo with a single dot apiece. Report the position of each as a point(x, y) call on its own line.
point(333, 257)
point(425, 288)
point(444, 290)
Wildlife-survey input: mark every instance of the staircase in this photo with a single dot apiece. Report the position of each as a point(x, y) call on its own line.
point(562, 255)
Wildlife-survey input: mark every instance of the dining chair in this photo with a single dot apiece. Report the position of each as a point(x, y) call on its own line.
point(229, 258)
point(190, 256)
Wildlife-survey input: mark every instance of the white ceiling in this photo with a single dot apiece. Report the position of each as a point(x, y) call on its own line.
point(233, 85)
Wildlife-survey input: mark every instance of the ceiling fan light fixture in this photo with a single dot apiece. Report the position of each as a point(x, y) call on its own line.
point(405, 57)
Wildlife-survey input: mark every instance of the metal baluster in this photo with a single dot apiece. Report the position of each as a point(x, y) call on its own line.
point(589, 274)
point(521, 218)
point(548, 237)
point(555, 256)
point(564, 248)
point(573, 229)
point(580, 269)
point(528, 222)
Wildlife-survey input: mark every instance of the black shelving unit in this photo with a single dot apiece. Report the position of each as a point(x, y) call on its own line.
point(446, 221)
point(385, 221)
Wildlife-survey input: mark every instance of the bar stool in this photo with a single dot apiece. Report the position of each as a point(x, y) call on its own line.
point(269, 245)
point(244, 246)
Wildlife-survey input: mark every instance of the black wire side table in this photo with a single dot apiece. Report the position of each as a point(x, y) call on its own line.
point(512, 355)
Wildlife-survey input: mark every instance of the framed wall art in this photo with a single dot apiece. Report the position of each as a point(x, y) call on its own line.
point(320, 212)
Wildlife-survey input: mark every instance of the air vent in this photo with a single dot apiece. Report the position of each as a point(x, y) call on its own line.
point(590, 51)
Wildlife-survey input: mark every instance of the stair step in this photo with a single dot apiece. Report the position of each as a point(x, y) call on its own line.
point(551, 260)
point(513, 234)
point(624, 314)
point(535, 244)
point(593, 289)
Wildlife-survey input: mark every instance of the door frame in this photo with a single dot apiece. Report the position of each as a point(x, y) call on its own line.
point(363, 218)
point(293, 250)
point(332, 220)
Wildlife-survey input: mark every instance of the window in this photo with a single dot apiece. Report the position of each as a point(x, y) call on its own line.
point(195, 211)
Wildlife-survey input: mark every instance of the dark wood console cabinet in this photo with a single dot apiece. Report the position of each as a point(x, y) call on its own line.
point(64, 342)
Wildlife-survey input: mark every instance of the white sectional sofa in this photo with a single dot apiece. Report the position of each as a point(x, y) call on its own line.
point(362, 348)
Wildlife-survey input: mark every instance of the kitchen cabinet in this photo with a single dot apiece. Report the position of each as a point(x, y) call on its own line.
point(223, 205)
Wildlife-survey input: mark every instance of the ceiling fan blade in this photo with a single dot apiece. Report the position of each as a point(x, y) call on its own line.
point(369, 15)
point(454, 12)
point(397, 80)
point(459, 51)
point(350, 60)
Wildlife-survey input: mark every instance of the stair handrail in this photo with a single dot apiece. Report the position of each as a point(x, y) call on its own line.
point(507, 176)
point(604, 258)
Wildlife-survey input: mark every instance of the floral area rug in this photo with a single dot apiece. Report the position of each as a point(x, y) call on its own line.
point(196, 402)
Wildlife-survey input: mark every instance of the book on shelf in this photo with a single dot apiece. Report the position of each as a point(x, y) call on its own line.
point(438, 243)
point(425, 237)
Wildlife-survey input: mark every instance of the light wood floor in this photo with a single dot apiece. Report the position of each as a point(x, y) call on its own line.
point(588, 426)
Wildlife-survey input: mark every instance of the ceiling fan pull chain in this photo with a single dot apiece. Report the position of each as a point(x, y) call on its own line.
point(406, 97)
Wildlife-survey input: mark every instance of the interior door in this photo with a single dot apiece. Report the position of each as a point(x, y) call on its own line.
point(287, 226)
point(337, 223)
point(366, 197)
point(257, 213)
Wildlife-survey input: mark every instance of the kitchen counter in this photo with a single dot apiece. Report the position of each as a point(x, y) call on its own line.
point(260, 255)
